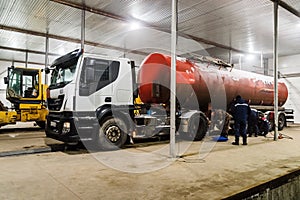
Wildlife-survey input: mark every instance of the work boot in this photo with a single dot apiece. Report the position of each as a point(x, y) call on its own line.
point(244, 140)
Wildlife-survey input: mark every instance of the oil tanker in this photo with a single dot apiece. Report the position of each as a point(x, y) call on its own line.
point(102, 98)
point(206, 80)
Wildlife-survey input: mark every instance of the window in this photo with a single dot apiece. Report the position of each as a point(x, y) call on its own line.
point(96, 74)
point(15, 81)
point(24, 82)
point(63, 73)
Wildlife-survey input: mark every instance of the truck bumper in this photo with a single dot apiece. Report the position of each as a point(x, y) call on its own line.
point(69, 127)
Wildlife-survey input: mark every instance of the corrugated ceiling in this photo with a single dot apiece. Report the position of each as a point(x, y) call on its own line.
point(245, 25)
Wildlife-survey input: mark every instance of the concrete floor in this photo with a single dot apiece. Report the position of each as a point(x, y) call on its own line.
point(143, 170)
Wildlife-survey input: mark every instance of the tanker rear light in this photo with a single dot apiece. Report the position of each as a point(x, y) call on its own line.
point(48, 93)
point(271, 115)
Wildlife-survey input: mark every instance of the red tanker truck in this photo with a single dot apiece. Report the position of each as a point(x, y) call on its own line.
point(202, 81)
point(97, 98)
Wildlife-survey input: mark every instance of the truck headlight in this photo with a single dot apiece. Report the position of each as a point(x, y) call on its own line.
point(66, 128)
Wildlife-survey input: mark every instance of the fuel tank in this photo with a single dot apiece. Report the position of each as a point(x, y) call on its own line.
point(204, 82)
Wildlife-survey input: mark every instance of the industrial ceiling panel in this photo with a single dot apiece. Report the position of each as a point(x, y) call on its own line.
point(289, 33)
point(20, 40)
point(12, 39)
point(62, 47)
point(37, 15)
point(153, 11)
point(12, 55)
point(229, 23)
point(103, 51)
point(28, 14)
point(64, 20)
point(38, 58)
point(245, 25)
point(100, 28)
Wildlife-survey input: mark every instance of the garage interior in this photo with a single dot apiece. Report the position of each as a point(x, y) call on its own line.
point(33, 33)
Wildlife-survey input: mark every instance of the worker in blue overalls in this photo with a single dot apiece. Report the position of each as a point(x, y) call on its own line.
point(240, 111)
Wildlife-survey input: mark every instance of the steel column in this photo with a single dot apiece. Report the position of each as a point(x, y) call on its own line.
point(275, 63)
point(46, 54)
point(26, 59)
point(82, 28)
point(173, 79)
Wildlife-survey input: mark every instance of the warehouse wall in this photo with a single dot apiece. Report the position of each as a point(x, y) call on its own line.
point(291, 65)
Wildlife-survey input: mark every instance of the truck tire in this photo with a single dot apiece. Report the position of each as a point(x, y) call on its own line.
point(281, 122)
point(41, 124)
point(112, 134)
point(197, 128)
point(202, 129)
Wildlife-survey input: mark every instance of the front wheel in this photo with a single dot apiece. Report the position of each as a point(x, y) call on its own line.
point(112, 134)
point(41, 124)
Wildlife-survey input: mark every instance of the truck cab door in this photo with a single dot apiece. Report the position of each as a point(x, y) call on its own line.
point(96, 83)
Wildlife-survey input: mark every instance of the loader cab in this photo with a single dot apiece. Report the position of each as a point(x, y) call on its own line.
point(23, 85)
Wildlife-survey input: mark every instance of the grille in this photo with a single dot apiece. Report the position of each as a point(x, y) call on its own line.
point(55, 104)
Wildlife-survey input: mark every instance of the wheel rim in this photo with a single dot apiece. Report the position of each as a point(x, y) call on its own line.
point(113, 133)
point(281, 122)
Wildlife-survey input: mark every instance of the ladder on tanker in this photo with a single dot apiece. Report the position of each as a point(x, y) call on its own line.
point(210, 60)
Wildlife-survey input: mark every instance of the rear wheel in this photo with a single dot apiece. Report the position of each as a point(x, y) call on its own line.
point(197, 128)
point(281, 121)
point(112, 134)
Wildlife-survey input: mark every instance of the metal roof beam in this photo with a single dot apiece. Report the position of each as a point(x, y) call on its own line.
point(90, 9)
point(21, 61)
point(118, 17)
point(287, 7)
point(25, 50)
point(68, 39)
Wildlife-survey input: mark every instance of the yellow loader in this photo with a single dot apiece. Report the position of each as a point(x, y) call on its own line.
point(28, 97)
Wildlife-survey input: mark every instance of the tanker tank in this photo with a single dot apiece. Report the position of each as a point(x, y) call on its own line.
point(204, 80)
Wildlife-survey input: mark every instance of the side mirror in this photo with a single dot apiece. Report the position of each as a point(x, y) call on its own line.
point(5, 80)
point(47, 70)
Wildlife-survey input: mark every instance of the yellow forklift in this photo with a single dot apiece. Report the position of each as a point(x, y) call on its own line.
point(28, 97)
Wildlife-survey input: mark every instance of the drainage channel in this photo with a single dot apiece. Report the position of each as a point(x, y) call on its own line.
point(286, 187)
point(52, 148)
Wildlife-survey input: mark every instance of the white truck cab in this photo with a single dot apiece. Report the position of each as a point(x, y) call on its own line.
point(82, 91)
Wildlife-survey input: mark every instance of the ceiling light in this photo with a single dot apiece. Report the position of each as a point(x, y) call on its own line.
point(135, 25)
point(250, 57)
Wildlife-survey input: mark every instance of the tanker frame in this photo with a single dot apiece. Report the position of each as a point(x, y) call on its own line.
point(94, 98)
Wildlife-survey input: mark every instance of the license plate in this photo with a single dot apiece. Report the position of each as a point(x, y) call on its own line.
point(53, 124)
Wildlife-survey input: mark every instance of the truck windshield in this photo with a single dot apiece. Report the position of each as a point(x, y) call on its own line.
point(63, 74)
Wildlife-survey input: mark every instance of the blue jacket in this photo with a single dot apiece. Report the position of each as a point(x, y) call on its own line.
point(253, 117)
point(241, 110)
